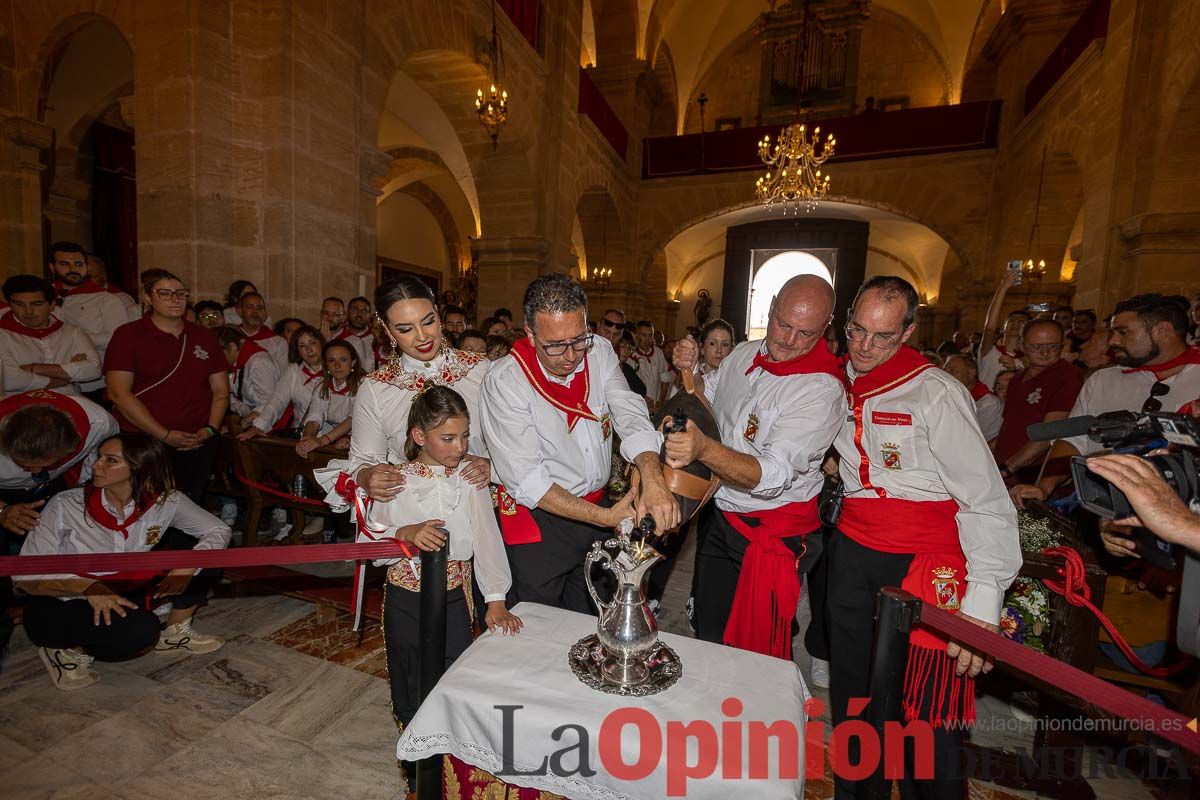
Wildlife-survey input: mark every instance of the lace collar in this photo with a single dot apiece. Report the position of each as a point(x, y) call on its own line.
point(449, 367)
point(423, 470)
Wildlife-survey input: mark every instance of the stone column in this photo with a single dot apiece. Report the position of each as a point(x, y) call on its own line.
point(22, 142)
point(1162, 254)
point(506, 266)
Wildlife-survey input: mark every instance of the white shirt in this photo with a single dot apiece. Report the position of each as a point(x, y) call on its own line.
point(528, 439)
point(364, 345)
point(66, 529)
point(990, 367)
point(274, 344)
point(654, 371)
point(98, 314)
point(791, 421)
point(101, 425)
point(295, 387)
point(940, 454)
point(989, 413)
point(253, 384)
point(429, 493)
point(56, 348)
point(382, 405)
point(331, 410)
point(1113, 389)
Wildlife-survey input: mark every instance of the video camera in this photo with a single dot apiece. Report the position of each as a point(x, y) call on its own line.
point(1136, 433)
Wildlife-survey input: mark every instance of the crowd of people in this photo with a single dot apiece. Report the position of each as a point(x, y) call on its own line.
point(843, 453)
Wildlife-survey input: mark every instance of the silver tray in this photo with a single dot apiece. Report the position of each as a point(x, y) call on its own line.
point(587, 655)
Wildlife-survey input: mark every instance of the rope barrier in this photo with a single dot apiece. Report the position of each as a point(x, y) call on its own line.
point(1153, 718)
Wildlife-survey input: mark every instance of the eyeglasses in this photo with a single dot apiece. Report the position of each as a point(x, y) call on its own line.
point(209, 315)
point(167, 294)
point(580, 345)
point(1156, 391)
point(608, 323)
point(1043, 348)
point(881, 340)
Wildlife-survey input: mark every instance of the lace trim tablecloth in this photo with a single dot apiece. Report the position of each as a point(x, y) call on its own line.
point(530, 671)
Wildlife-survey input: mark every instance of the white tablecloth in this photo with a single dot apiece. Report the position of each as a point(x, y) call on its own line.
point(530, 670)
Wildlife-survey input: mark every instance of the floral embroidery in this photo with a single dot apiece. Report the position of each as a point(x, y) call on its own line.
point(200, 353)
point(455, 365)
point(422, 470)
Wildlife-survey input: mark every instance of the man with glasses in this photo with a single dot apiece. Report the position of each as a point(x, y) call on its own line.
point(1042, 392)
point(1156, 371)
point(547, 411)
point(87, 305)
point(924, 509)
point(778, 403)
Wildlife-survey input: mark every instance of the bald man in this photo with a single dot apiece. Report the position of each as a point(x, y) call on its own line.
point(778, 403)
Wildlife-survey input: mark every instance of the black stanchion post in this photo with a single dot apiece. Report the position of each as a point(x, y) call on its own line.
point(896, 611)
point(433, 656)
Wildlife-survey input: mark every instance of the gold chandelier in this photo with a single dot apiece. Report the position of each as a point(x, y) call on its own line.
point(794, 179)
point(1033, 269)
point(492, 105)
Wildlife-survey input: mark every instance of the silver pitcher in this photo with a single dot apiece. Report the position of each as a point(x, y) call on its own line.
point(627, 629)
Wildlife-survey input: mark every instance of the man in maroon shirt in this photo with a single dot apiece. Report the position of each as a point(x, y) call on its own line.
point(167, 377)
point(1044, 391)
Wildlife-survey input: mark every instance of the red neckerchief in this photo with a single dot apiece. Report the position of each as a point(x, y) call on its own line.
point(1189, 356)
point(87, 287)
point(905, 363)
point(649, 354)
point(263, 332)
point(979, 391)
point(571, 400)
point(309, 377)
point(347, 333)
point(103, 517)
point(1004, 352)
point(248, 350)
point(9, 323)
point(818, 361)
point(342, 392)
point(77, 413)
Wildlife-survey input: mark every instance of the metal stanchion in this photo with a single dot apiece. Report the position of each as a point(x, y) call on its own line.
point(433, 655)
point(896, 611)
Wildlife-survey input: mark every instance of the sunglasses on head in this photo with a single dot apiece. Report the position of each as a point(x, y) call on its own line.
point(1156, 391)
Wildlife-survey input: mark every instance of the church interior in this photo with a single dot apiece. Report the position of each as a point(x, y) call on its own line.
point(318, 147)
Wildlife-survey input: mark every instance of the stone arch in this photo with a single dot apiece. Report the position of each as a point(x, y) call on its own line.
point(1172, 180)
point(587, 36)
point(602, 233)
point(42, 45)
point(664, 117)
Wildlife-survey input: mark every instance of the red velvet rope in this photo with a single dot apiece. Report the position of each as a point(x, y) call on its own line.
point(164, 560)
point(1151, 717)
point(1075, 589)
point(271, 490)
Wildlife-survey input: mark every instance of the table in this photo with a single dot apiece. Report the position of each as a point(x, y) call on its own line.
point(529, 673)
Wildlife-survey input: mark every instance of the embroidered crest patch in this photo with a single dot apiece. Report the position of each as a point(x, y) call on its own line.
point(200, 353)
point(891, 456)
point(945, 588)
point(751, 428)
point(153, 534)
point(605, 425)
point(505, 503)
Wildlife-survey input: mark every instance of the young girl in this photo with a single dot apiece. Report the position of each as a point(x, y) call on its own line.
point(130, 506)
point(329, 417)
point(438, 504)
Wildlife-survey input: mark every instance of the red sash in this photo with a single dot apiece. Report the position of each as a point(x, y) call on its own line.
point(768, 587)
point(9, 323)
point(816, 361)
point(1189, 356)
point(571, 400)
point(87, 287)
point(979, 391)
point(77, 413)
point(517, 525)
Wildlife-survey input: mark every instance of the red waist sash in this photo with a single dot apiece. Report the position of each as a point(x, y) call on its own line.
point(517, 525)
point(937, 575)
point(768, 587)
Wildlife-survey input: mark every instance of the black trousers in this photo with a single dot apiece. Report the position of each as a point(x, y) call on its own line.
point(718, 565)
point(857, 573)
point(816, 638)
point(50, 622)
point(660, 573)
point(10, 545)
point(193, 469)
point(401, 635)
point(551, 571)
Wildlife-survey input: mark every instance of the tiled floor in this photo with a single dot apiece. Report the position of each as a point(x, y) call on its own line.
point(291, 707)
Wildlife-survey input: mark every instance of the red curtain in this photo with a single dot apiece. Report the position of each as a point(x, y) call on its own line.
point(525, 15)
point(114, 205)
point(592, 103)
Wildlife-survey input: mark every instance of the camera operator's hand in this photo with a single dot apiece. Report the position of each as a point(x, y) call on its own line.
point(1111, 534)
point(1155, 504)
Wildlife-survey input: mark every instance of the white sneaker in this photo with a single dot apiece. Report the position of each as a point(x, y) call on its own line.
point(229, 511)
point(180, 636)
point(820, 673)
point(69, 668)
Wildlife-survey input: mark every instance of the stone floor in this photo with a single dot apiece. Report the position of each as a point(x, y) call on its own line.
point(291, 707)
